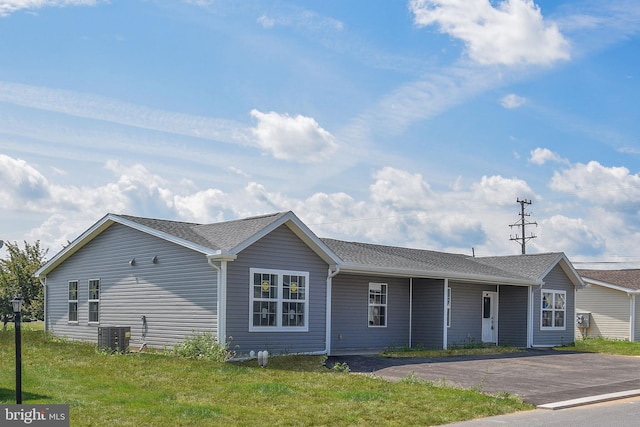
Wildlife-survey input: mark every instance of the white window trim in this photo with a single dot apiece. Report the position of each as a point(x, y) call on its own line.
point(89, 300)
point(385, 305)
point(279, 301)
point(70, 301)
point(553, 310)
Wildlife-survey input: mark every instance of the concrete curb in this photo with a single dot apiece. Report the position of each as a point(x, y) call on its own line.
point(590, 400)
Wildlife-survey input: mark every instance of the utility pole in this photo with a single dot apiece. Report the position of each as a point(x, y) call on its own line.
point(522, 223)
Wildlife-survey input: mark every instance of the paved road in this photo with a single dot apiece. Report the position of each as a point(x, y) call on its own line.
point(620, 413)
point(537, 376)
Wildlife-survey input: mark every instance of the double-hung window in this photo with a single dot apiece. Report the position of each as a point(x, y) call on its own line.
point(279, 300)
point(73, 301)
point(554, 307)
point(94, 301)
point(377, 304)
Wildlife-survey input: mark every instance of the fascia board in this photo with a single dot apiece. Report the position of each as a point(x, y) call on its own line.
point(300, 230)
point(166, 236)
point(591, 282)
point(356, 268)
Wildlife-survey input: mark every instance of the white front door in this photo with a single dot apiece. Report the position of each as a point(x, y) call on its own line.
point(489, 317)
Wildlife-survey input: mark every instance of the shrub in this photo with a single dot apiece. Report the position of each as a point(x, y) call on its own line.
point(203, 346)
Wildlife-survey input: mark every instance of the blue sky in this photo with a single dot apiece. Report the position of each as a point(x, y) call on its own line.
point(412, 123)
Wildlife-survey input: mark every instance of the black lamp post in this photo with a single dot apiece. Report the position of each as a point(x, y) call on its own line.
point(17, 308)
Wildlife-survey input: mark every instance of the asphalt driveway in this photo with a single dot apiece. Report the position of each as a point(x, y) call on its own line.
point(538, 376)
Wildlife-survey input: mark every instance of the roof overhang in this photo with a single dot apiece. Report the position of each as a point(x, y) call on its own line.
point(402, 272)
point(590, 282)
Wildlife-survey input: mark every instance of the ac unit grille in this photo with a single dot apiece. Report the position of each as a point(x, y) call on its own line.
point(114, 338)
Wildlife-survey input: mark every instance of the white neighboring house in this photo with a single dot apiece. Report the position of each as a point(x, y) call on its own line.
point(611, 299)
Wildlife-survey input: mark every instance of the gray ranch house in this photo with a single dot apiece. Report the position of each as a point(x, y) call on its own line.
point(269, 283)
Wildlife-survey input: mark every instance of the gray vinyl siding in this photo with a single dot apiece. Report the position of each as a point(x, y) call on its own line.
point(609, 310)
point(350, 331)
point(512, 315)
point(557, 280)
point(177, 294)
point(466, 313)
point(279, 250)
point(428, 313)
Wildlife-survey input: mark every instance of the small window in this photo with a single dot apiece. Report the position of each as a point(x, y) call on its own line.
point(377, 304)
point(73, 301)
point(94, 301)
point(553, 314)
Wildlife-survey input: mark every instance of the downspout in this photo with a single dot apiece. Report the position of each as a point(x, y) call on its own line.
point(43, 282)
point(221, 272)
point(410, 312)
point(445, 334)
point(327, 339)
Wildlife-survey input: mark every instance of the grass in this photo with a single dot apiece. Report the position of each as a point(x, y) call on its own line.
point(158, 390)
point(449, 352)
point(603, 345)
point(466, 348)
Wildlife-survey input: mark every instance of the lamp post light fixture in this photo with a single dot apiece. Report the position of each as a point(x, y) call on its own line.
point(17, 308)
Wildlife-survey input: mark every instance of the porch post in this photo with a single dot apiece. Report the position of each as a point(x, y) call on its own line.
point(530, 318)
point(445, 337)
point(410, 312)
point(632, 317)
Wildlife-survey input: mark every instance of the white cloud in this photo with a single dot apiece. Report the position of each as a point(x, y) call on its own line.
point(298, 138)
point(574, 235)
point(266, 21)
point(540, 156)
point(8, 7)
point(600, 185)
point(512, 33)
point(401, 189)
point(501, 191)
point(115, 111)
point(512, 101)
point(21, 185)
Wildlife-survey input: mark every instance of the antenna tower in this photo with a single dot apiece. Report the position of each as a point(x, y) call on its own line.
point(522, 223)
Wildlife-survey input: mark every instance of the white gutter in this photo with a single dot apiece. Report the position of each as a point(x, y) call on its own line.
point(43, 282)
point(222, 293)
point(330, 275)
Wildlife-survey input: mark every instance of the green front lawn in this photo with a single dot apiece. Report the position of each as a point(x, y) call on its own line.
point(606, 346)
point(160, 390)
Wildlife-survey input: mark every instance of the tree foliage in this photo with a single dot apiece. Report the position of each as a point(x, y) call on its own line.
point(16, 278)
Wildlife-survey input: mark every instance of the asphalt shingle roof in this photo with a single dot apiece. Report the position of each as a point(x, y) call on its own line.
point(218, 236)
point(424, 260)
point(626, 278)
point(228, 235)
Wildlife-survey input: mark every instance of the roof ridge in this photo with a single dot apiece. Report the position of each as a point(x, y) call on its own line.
point(134, 217)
